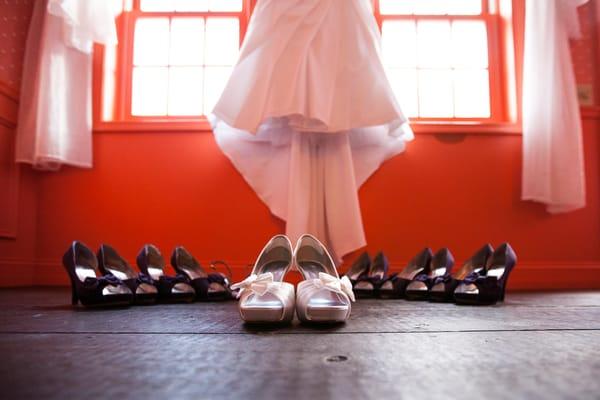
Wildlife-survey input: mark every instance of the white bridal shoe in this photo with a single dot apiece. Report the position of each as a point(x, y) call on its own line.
point(264, 297)
point(322, 296)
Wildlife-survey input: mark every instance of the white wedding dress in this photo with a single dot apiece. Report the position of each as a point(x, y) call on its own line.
point(308, 115)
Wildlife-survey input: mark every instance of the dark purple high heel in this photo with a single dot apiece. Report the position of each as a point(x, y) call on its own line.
point(89, 288)
point(419, 264)
point(171, 289)
point(440, 266)
point(488, 286)
point(212, 286)
point(140, 284)
point(369, 284)
point(359, 268)
point(443, 287)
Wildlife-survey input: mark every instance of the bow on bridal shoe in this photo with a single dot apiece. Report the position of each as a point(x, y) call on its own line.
point(322, 296)
point(264, 297)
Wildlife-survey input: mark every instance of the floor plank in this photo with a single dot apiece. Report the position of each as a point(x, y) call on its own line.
point(536, 346)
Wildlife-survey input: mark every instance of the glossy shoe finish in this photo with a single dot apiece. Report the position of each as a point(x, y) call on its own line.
point(440, 266)
point(86, 286)
point(359, 268)
point(140, 284)
point(369, 285)
point(263, 296)
point(443, 287)
point(171, 289)
point(322, 296)
point(212, 286)
point(488, 286)
point(418, 265)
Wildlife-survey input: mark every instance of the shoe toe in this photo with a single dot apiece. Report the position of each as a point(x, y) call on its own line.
point(180, 288)
point(438, 288)
point(417, 287)
point(469, 289)
point(115, 290)
point(145, 288)
point(363, 285)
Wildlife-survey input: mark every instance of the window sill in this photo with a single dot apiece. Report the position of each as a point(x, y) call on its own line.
point(153, 126)
point(198, 125)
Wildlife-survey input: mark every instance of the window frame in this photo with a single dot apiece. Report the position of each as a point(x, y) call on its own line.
point(503, 38)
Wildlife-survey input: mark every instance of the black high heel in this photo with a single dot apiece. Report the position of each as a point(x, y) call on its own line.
point(443, 287)
point(488, 286)
point(212, 286)
point(368, 285)
point(359, 268)
point(419, 264)
point(440, 266)
point(140, 284)
point(86, 287)
point(170, 288)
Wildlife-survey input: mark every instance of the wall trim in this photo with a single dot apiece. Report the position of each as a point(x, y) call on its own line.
point(533, 275)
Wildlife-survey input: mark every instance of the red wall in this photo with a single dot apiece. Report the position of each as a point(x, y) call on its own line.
point(175, 188)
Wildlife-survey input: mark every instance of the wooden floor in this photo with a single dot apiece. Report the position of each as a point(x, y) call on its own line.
point(535, 346)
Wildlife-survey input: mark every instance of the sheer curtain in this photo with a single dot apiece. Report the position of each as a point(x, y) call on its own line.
point(553, 167)
point(55, 123)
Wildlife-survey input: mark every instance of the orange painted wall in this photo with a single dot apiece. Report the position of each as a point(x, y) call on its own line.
point(18, 222)
point(174, 188)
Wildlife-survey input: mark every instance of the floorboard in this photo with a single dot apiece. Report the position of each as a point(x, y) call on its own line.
point(535, 346)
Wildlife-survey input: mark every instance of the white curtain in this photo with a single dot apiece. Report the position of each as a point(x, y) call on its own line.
point(55, 118)
point(553, 165)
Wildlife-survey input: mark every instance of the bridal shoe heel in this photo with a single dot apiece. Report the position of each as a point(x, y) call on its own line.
point(322, 296)
point(140, 284)
point(440, 267)
point(263, 296)
point(487, 286)
point(443, 287)
point(87, 287)
point(171, 289)
point(211, 286)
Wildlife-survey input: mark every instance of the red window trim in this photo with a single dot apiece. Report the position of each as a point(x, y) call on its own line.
point(512, 37)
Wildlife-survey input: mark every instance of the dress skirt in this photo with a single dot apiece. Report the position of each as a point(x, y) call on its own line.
point(308, 115)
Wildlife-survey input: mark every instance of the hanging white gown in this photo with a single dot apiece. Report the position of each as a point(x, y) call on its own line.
point(308, 114)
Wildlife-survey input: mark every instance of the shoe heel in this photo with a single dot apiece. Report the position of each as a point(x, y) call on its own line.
point(74, 297)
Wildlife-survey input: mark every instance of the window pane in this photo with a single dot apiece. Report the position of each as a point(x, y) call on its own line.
point(187, 41)
point(157, 5)
point(225, 5)
point(399, 43)
point(404, 84)
point(191, 5)
point(465, 7)
point(471, 93)
point(222, 41)
point(469, 44)
point(434, 44)
point(436, 94)
point(430, 7)
point(185, 91)
point(150, 86)
point(215, 79)
point(151, 44)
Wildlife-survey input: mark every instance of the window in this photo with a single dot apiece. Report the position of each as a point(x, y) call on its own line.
point(442, 58)
point(174, 59)
point(447, 61)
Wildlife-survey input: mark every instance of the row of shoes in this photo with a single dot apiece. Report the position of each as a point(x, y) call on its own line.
point(107, 279)
point(481, 280)
point(321, 297)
